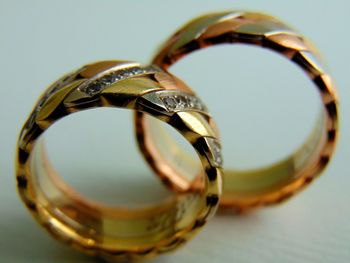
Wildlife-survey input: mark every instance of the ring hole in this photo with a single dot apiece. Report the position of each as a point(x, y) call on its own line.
point(95, 153)
point(265, 106)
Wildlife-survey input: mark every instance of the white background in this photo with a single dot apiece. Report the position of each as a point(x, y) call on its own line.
point(264, 106)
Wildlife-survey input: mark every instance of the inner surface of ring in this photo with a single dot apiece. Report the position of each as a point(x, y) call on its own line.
point(96, 223)
point(237, 182)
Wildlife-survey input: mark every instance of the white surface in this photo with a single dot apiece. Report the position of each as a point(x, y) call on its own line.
point(41, 40)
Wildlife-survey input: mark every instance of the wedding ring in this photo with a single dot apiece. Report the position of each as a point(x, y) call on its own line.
point(243, 190)
point(117, 233)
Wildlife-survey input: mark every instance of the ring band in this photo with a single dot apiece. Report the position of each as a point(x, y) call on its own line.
point(104, 231)
point(243, 190)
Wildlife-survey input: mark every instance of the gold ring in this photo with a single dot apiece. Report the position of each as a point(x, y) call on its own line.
point(110, 232)
point(243, 190)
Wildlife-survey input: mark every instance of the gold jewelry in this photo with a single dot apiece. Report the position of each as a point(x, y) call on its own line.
point(270, 185)
point(110, 232)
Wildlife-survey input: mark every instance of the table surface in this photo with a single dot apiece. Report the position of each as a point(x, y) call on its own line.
point(41, 40)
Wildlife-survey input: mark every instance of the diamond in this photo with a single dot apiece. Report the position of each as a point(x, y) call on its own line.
point(217, 153)
point(136, 71)
point(117, 77)
point(181, 102)
point(94, 88)
point(174, 101)
point(106, 80)
point(195, 103)
point(170, 103)
point(191, 102)
point(109, 79)
point(124, 74)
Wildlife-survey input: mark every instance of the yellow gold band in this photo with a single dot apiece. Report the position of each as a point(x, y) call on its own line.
point(111, 232)
point(243, 190)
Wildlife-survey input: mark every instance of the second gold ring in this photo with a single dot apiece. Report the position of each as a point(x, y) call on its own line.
point(247, 189)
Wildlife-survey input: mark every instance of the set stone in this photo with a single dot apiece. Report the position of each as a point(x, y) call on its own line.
point(93, 88)
point(97, 85)
point(181, 102)
point(170, 103)
point(217, 155)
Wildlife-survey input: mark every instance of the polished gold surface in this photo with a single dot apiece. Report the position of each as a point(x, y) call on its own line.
point(117, 233)
point(244, 190)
